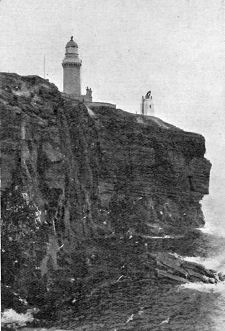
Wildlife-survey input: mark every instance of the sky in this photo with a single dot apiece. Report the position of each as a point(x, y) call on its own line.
point(175, 48)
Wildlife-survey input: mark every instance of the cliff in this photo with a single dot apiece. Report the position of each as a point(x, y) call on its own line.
point(101, 165)
point(95, 173)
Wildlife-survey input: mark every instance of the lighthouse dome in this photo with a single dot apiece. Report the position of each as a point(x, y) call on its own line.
point(71, 43)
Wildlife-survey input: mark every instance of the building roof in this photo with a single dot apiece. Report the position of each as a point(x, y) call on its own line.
point(71, 43)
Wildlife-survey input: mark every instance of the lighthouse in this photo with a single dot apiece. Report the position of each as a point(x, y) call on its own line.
point(72, 78)
point(71, 70)
point(147, 106)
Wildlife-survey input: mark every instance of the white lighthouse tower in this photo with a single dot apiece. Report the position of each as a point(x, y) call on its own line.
point(71, 70)
point(147, 106)
point(72, 78)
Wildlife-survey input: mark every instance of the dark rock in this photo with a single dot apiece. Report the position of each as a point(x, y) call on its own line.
point(127, 170)
point(97, 174)
point(221, 276)
point(174, 268)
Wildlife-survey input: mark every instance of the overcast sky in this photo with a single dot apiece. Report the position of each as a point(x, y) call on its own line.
point(176, 48)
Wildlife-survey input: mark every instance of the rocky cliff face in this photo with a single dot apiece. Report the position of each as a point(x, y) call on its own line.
point(97, 172)
point(99, 169)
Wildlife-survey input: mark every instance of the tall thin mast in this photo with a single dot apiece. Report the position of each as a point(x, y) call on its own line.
point(44, 66)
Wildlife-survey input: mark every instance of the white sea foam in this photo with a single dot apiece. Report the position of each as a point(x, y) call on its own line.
point(11, 317)
point(202, 287)
point(213, 229)
point(214, 262)
point(206, 229)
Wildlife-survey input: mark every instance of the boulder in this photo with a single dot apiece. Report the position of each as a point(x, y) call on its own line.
point(176, 269)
